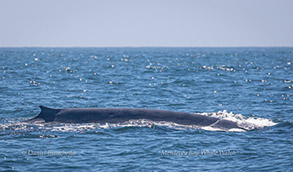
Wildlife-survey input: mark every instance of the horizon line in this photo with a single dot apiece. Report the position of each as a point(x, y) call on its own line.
point(146, 46)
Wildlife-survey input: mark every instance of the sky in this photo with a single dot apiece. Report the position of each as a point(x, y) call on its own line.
point(146, 23)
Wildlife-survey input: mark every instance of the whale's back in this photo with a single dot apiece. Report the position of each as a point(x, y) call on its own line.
point(116, 115)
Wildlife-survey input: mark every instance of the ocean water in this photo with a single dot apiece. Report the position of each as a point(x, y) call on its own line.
point(251, 86)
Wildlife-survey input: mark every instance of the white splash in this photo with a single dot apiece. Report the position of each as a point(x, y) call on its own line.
point(248, 123)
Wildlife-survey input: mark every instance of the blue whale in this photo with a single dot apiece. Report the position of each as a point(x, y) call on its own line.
point(117, 115)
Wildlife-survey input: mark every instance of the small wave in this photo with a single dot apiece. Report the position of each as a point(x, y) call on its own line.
point(17, 127)
point(131, 123)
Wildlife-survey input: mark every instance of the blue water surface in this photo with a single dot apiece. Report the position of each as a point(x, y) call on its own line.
point(253, 82)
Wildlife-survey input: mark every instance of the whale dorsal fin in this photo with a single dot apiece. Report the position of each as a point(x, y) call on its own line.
point(48, 114)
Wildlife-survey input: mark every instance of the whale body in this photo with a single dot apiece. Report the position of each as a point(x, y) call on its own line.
point(117, 115)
